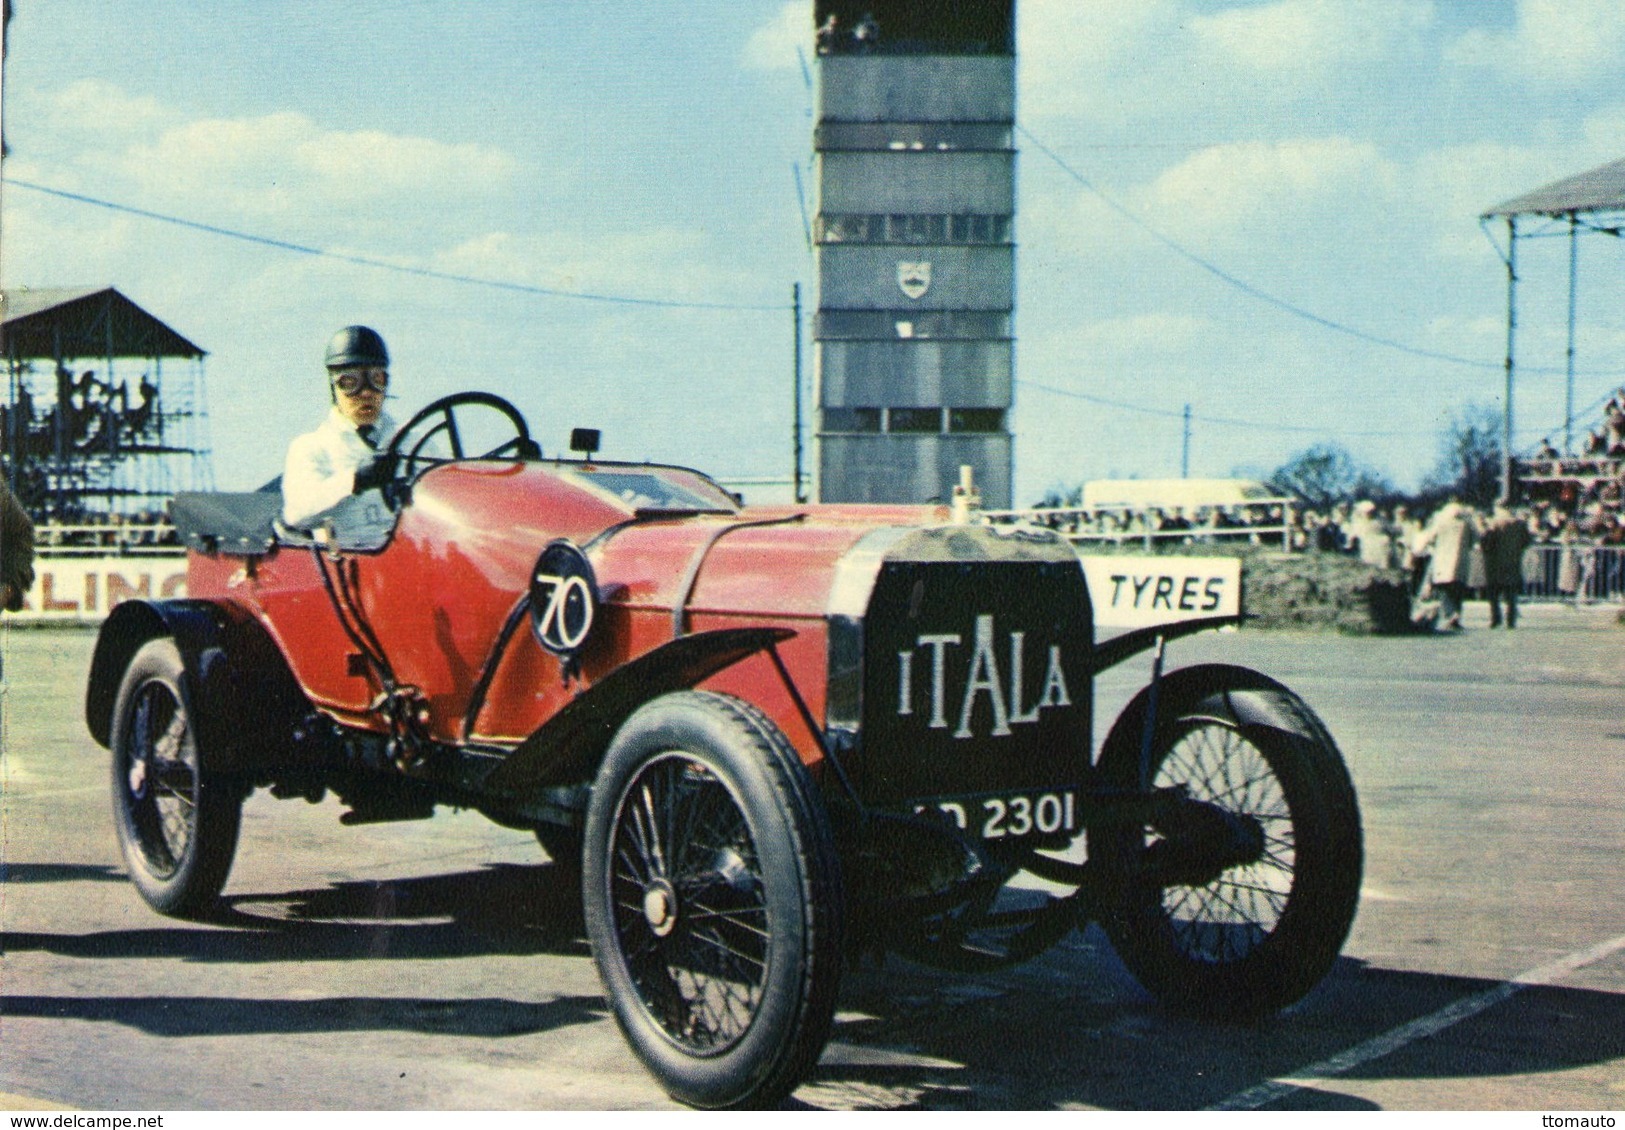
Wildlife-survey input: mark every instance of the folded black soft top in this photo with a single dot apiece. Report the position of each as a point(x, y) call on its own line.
point(219, 522)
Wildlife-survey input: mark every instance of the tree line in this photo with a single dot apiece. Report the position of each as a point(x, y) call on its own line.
point(1467, 466)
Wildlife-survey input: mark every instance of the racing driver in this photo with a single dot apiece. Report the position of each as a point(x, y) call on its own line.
point(335, 475)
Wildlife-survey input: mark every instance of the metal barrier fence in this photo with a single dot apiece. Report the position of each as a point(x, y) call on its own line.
point(122, 540)
point(1574, 572)
point(1590, 573)
point(1114, 524)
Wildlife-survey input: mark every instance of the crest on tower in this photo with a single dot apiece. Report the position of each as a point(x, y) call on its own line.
point(914, 279)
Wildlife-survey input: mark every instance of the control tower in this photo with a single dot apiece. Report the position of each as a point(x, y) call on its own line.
point(916, 255)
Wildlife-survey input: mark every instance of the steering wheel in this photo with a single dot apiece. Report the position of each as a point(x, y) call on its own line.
point(407, 448)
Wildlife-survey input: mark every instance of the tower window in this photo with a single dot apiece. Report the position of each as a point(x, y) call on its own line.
point(976, 419)
point(852, 420)
point(914, 228)
point(914, 420)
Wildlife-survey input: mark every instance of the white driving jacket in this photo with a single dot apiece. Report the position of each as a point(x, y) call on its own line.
point(318, 479)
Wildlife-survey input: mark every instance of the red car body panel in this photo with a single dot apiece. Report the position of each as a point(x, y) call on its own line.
point(461, 558)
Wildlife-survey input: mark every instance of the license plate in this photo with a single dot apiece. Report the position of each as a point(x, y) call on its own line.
point(1010, 816)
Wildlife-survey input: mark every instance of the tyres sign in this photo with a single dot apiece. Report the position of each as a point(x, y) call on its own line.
point(1140, 592)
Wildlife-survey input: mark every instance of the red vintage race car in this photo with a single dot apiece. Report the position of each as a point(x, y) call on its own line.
point(771, 739)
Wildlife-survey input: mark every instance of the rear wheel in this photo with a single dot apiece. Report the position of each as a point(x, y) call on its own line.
point(1260, 933)
point(712, 900)
point(177, 823)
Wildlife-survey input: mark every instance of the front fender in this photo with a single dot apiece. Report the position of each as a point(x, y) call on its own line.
point(567, 748)
point(246, 701)
point(1229, 693)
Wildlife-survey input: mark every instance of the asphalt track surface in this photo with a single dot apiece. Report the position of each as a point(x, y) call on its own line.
point(441, 964)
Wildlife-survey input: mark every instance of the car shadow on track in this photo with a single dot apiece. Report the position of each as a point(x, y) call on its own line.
point(506, 909)
point(1069, 1029)
point(490, 1017)
point(59, 873)
point(1073, 1030)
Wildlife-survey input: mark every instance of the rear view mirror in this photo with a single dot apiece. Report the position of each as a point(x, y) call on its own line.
point(584, 440)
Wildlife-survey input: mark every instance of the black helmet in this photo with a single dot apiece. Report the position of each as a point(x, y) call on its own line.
point(357, 345)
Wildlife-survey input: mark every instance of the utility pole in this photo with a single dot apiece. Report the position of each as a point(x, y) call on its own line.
point(1185, 448)
point(1512, 325)
point(795, 311)
point(1568, 388)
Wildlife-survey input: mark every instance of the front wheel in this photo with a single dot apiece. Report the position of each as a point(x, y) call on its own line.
point(177, 823)
point(1254, 930)
point(713, 900)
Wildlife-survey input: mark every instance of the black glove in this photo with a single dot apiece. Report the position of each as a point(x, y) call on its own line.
point(397, 493)
point(375, 474)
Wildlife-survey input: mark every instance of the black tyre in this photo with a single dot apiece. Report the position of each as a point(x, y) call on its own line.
point(713, 900)
point(177, 823)
point(1263, 933)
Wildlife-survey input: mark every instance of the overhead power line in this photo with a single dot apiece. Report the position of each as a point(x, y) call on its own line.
point(1260, 425)
point(1262, 295)
point(385, 265)
point(1198, 417)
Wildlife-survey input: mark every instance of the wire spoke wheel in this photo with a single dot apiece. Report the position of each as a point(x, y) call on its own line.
point(1227, 919)
point(162, 798)
point(177, 824)
point(689, 903)
point(712, 899)
point(1255, 762)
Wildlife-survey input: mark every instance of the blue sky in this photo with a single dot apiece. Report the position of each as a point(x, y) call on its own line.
point(1334, 154)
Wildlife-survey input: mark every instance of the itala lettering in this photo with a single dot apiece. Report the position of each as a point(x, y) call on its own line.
point(1006, 697)
point(984, 679)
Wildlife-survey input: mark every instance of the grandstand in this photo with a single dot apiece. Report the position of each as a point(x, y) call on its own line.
point(104, 412)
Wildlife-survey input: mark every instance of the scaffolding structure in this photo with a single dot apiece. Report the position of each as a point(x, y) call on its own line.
point(105, 413)
point(1592, 202)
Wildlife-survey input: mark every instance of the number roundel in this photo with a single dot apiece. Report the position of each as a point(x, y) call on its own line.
point(563, 598)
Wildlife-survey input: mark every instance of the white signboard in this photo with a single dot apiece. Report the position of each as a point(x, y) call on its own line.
point(87, 588)
point(1139, 592)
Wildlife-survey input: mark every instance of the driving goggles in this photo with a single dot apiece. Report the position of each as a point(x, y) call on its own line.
point(352, 381)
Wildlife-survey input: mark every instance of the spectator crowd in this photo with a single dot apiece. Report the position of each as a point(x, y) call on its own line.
point(108, 534)
point(1580, 497)
point(1457, 550)
point(1252, 523)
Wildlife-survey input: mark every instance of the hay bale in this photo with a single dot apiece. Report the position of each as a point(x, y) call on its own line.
point(1316, 591)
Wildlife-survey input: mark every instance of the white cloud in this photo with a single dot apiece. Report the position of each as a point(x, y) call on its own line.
point(772, 46)
point(1316, 36)
point(1140, 335)
point(1126, 64)
point(1604, 130)
point(1230, 194)
point(1554, 43)
point(312, 183)
point(1101, 60)
point(668, 263)
point(97, 107)
point(1456, 183)
point(284, 163)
